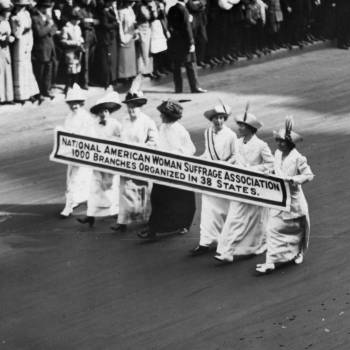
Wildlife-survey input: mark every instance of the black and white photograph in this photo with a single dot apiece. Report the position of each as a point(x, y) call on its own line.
point(174, 174)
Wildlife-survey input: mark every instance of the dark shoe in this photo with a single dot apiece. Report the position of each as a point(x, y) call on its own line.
point(200, 250)
point(183, 231)
point(87, 220)
point(62, 216)
point(147, 235)
point(212, 63)
point(217, 60)
point(119, 227)
point(199, 91)
point(85, 87)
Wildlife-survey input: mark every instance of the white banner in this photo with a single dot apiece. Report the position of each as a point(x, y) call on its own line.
point(189, 173)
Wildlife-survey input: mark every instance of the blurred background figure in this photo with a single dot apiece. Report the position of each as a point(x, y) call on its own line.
point(6, 38)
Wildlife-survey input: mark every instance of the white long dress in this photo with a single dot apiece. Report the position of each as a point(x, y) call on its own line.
point(243, 232)
point(134, 196)
point(25, 84)
point(104, 188)
point(78, 177)
point(218, 146)
point(288, 232)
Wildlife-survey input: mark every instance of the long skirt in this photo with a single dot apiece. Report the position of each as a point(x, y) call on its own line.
point(244, 230)
point(213, 217)
point(284, 238)
point(127, 61)
point(6, 82)
point(144, 58)
point(134, 201)
point(172, 209)
point(104, 194)
point(78, 181)
point(25, 84)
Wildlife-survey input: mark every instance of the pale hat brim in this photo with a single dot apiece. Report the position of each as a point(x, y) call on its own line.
point(281, 134)
point(250, 120)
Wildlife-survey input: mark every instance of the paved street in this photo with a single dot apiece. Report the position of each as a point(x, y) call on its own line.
point(67, 287)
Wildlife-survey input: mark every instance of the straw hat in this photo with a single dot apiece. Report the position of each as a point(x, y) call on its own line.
point(287, 133)
point(222, 109)
point(249, 119)
point(75, 94)
point(172, 109)
point(22, 2)
point(136, 98)
point(111, 101)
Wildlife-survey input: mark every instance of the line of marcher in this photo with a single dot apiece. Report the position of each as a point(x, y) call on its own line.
point(230, 227)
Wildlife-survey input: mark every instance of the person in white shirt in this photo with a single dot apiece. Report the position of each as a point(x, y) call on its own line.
point(104, 187)
point(288, 233)
point(138, 129)
point(243, 232)
point(78, 121)
point(220, 145)
point(173, 209)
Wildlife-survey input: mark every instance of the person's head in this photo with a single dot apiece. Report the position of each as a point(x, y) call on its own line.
point(245, 130)
point(74, 106)
point(133, 110)
point(284, 145)
point(218, 116)
point(21, 4)
point(133, 101)
point(286, 138)
point(45, 6)
point(247, 123)
point(5, 9)
point(106, 105)
point(75, 15)
point(170, 111)
point(103, 113)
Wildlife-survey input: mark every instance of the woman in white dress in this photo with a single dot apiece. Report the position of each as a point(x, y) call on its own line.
point(104, 187)
point(78, 121)
point(173, 209)
point(138, 129)
point(25, 85)
point(243, 232)
point(220, 145)
point(288, 233)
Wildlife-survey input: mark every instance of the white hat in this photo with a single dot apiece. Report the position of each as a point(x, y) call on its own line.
point(218, 109)
point(75, 94)
point(287, 133)
point(249, 119)
point(111, 101)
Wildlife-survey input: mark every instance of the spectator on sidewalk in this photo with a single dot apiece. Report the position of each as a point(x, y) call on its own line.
point(6, 38)
point(44, 51)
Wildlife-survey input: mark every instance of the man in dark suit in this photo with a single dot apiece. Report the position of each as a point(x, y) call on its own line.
point(343, 27)
point(44, 53)
point(181, 47)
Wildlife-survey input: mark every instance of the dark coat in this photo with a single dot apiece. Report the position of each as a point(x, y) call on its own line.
point(181, 34)
point(43, 31)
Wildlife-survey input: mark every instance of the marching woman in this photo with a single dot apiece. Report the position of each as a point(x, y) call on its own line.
point(173, 209)
point(220, 145)
point(288, 232)
point(243, 232)
point(138, 128)
point(78, 121)
point(104, 187)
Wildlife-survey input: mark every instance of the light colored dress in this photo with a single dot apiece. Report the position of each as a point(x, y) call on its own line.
point(243, 232)
point(25, 84)
point(134, 205)
point(288, 232)
point(6, 82)
point(218, 146)
point(104, 187)
point(78, 177)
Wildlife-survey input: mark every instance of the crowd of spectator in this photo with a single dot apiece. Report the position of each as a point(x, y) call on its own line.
point(104, 42)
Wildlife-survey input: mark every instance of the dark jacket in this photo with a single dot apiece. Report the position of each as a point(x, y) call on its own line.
point(43, 31)
point(181, 33)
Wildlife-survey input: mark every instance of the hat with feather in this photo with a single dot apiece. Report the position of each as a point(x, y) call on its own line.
point(221, 109)
point(287, 132)
point(249, 119)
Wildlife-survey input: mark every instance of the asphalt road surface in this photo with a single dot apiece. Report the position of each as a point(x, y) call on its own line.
point(65, 286)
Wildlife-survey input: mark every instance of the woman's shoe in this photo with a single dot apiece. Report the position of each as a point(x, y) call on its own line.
point(264, 269)
point(87, 220)
point(147, 235)
point(119, 227)
point(223, 259)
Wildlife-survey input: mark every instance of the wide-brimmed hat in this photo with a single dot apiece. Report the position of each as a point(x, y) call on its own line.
point(75, 94)
point(249, 119)
point(172, 109)
point(136, 98)
point(287, 133)
point(6, 5)
point(22, 2)
point(218, 110)
point(111, 101)
point(45, 3)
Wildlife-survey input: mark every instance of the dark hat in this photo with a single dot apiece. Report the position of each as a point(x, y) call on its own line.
point(171, 108)
point(110, 101)
point(44, 3)
point(75, 14)
point(135, 98)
